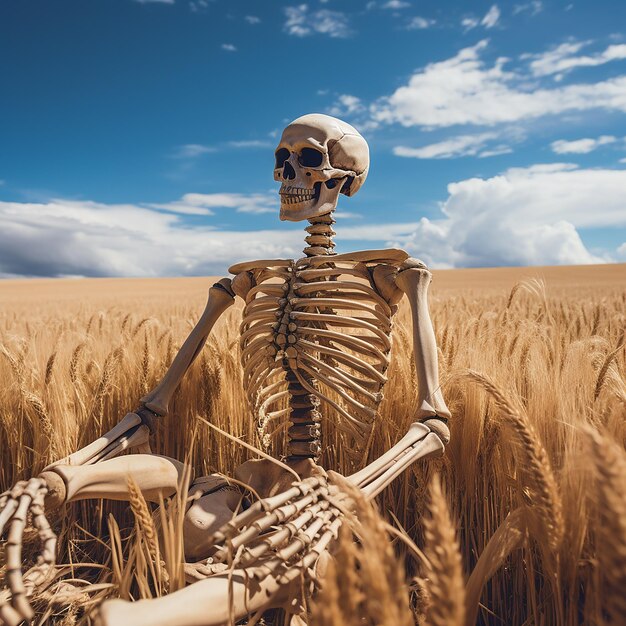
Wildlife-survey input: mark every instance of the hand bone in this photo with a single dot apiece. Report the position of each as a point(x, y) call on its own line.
point(25, 497)
point(259, 559)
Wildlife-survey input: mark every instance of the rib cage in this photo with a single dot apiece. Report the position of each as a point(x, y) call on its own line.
point(315, 343)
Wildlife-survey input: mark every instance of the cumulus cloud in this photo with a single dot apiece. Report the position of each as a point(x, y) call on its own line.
point(84, 238)
point(465, 90)
point(229, 47)
point(252, 19)
point(301, 22)
point(66, 238)
point(581, 146)
point(526, 216)
point(565, 58)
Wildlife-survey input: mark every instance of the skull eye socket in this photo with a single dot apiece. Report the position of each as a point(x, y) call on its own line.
point(310, 157)
point(282, 154)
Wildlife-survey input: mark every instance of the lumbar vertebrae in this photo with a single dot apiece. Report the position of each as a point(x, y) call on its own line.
point(315, 344)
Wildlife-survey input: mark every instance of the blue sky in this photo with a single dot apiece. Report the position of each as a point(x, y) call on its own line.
point(137, 137)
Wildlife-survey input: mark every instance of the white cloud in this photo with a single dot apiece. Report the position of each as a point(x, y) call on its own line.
point(374, 232)
point(526, 216)
point(229, 47)
point(199, 5)
point(469, 22)
point(581, 146)
point(461, 145)
point(395, 5)
point(420, 23)
point(301, 22)
point(250, 143)
point(491, 17)
point(252, 19)
point(83, 238)
point(86, 238)
point(565, 58)
point(464, 90)
point(155, 1)
point(66, 238)
point(203, 203)
point(534, 7)
point(347, 215)
point(192, 150)
point(623, 160)
point(346, 105)
point(621, 251)
point(495, 151)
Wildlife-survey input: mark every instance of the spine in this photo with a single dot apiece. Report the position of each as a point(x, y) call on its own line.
point(320, 238)
point(304, 433)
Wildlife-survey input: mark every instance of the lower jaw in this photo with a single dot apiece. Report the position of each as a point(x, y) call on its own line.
point(297, 213)
point(294, 212)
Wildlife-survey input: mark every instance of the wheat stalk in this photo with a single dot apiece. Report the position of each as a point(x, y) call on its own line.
point(446, 586)
point(537, 471)
point(610, 495)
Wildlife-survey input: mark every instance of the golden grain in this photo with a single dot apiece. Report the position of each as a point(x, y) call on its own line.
point(535, 502)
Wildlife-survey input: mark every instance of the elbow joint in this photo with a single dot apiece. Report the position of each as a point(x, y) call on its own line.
point(439, 426)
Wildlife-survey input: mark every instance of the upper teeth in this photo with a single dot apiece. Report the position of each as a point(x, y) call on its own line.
point(291, 195)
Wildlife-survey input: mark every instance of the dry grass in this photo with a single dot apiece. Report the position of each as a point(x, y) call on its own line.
point(530, 525)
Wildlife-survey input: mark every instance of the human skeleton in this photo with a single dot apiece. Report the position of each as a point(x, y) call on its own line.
point(315, 343)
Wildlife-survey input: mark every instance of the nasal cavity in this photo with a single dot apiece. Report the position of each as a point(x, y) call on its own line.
point(288, 171)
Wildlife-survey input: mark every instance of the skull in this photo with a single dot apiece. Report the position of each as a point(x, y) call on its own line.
point(318, 158)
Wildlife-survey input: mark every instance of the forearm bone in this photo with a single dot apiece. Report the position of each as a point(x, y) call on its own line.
point(134, 429)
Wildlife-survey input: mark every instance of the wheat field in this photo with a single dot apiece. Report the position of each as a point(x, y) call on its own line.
point(523, 521)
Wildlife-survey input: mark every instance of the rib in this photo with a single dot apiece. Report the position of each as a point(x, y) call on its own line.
point(304, 288)
point(349, 359)
point(365, 410)
point(342, 304)
point(346, 379)
point(343, 321)
point(352, 421)
point(354, 343)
